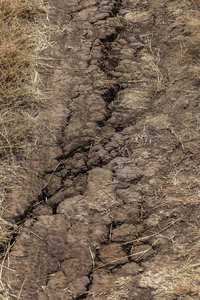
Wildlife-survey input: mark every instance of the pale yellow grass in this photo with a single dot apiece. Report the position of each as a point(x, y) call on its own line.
point(24, 34)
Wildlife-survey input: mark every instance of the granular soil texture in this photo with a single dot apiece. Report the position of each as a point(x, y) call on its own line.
point(113, 212)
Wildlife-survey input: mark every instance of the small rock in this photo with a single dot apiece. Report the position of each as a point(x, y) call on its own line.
point(129, 173)
point(113, 254)
point(79, 287)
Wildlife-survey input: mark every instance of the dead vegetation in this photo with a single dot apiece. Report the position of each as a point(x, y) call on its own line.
point(196, 3)
point(23, 35)
point(22, 31)
point(180, 280)
point(191, 51)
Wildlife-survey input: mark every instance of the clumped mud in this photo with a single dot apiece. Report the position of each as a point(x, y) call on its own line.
point(115, 199)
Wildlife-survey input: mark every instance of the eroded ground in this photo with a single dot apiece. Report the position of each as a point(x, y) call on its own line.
point(113, 210)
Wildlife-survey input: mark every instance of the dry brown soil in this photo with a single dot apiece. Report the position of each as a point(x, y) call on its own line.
point(109, 207)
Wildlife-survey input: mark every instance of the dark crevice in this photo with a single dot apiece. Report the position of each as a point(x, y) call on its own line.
point(83, 296)
point(116, 8)
point(62, 134)
point(119, 128)
point(138, 49)
point(110, 95)
point(127, 249)
point(54, 209)
point(75, 97)
point(19, 220)
point(100, 123)
point(88, 286)
point(80, 148)
point(46, 197)
point(91, 281)
point(136, 180)
point(116, 224)
point(110, 38)
point(117, 266)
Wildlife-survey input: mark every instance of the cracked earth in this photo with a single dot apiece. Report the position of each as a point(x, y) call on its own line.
point(110, 196)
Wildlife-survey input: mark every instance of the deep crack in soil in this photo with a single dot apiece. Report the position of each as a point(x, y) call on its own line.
point(112, 216)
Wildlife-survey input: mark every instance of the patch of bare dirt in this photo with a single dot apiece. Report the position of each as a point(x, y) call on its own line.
point(113, 210)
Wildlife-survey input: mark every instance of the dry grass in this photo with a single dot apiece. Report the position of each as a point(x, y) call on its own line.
point(155, 66)
point(22, 39)
point(196, 3)
point(192, 46)
point(192, 51)
point(23, 36)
